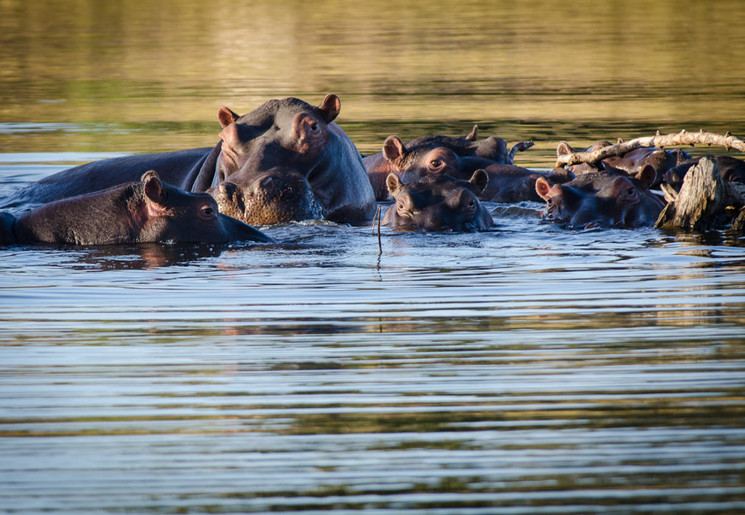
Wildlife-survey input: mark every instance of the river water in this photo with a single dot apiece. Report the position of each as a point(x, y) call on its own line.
point(528, 369)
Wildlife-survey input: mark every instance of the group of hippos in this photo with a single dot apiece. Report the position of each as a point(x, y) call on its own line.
point(288, 161)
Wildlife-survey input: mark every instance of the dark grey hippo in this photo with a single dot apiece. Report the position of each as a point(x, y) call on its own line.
point(137, 212)
point(438, 203)
point(286, 160)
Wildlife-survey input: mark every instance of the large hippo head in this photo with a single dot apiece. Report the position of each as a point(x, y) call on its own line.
point(287, 160)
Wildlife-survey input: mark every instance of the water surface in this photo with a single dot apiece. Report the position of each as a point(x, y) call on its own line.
point(528, 369)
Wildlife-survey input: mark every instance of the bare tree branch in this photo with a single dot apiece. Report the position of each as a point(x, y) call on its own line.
point(727, 141)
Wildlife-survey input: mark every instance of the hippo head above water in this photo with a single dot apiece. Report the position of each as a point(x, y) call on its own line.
point(287, 160)
point(438, 203)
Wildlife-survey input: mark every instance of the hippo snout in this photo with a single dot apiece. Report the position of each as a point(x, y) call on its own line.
point(272, 198)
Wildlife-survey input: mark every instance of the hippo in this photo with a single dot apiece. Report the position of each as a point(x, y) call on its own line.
point(401, 158)
point(147, 211)
point(507, 182)
point(730, 168)
point(643, 213)
point(438, 203)
point(285, 160)
point(602, 198)
point(569, 205)
point(632, 162)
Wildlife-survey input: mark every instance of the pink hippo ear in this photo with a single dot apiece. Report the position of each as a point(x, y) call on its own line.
point(393, 148)
point(479, 179)
point(226, 117)
point(647, 176)
point(330, 107)
point(393, 183)
point(564, 148)
point(155, 195)
point(474, 134)
point(542, 187)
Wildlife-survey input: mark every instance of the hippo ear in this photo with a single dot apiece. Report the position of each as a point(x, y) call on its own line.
point(479, 179)
point(393, 148)
point(153, 187)
point(474, 134)
point(647, 176)
point(564, 148)
point(330, 107)
point(542, 187)
point(226, 116)
point(393, 183)
point(230, 135)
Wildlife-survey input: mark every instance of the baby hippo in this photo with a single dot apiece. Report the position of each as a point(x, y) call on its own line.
point(137, 212)
point(438, 203)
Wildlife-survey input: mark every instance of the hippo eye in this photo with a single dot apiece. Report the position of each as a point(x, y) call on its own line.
point(208, 211)
point(314, 127)
point(435, 163)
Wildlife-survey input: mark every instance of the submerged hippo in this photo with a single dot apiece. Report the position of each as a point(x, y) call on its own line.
point(286, 160)
point(438, 203)
point(413, 160)
point(138, 212)
point(602, 198)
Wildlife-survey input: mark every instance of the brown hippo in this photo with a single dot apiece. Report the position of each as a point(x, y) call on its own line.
point(438, 203)
point(286, 160)
point(414, 157)
point(136, 212)
point(507, 182)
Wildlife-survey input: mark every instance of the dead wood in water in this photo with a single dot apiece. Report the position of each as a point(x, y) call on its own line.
point(519, 147)
point(727, 141)
point(704, 202)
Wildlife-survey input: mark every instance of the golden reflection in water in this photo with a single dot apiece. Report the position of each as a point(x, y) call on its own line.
point(666, 62)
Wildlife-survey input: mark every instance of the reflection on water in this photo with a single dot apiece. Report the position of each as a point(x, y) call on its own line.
point(528, 70)
point(528, 369)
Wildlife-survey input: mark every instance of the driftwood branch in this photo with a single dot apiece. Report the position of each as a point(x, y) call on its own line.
point(518, 147)
point(704, 202)
point(728, 141)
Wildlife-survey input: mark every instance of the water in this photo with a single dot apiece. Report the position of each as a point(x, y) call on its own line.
point(529, 369)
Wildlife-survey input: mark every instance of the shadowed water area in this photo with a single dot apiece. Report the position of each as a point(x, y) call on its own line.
point(528, 369)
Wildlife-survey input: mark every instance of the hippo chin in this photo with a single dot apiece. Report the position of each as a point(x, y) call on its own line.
point(438, 203)
point(148, 211)
point(288, 158)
